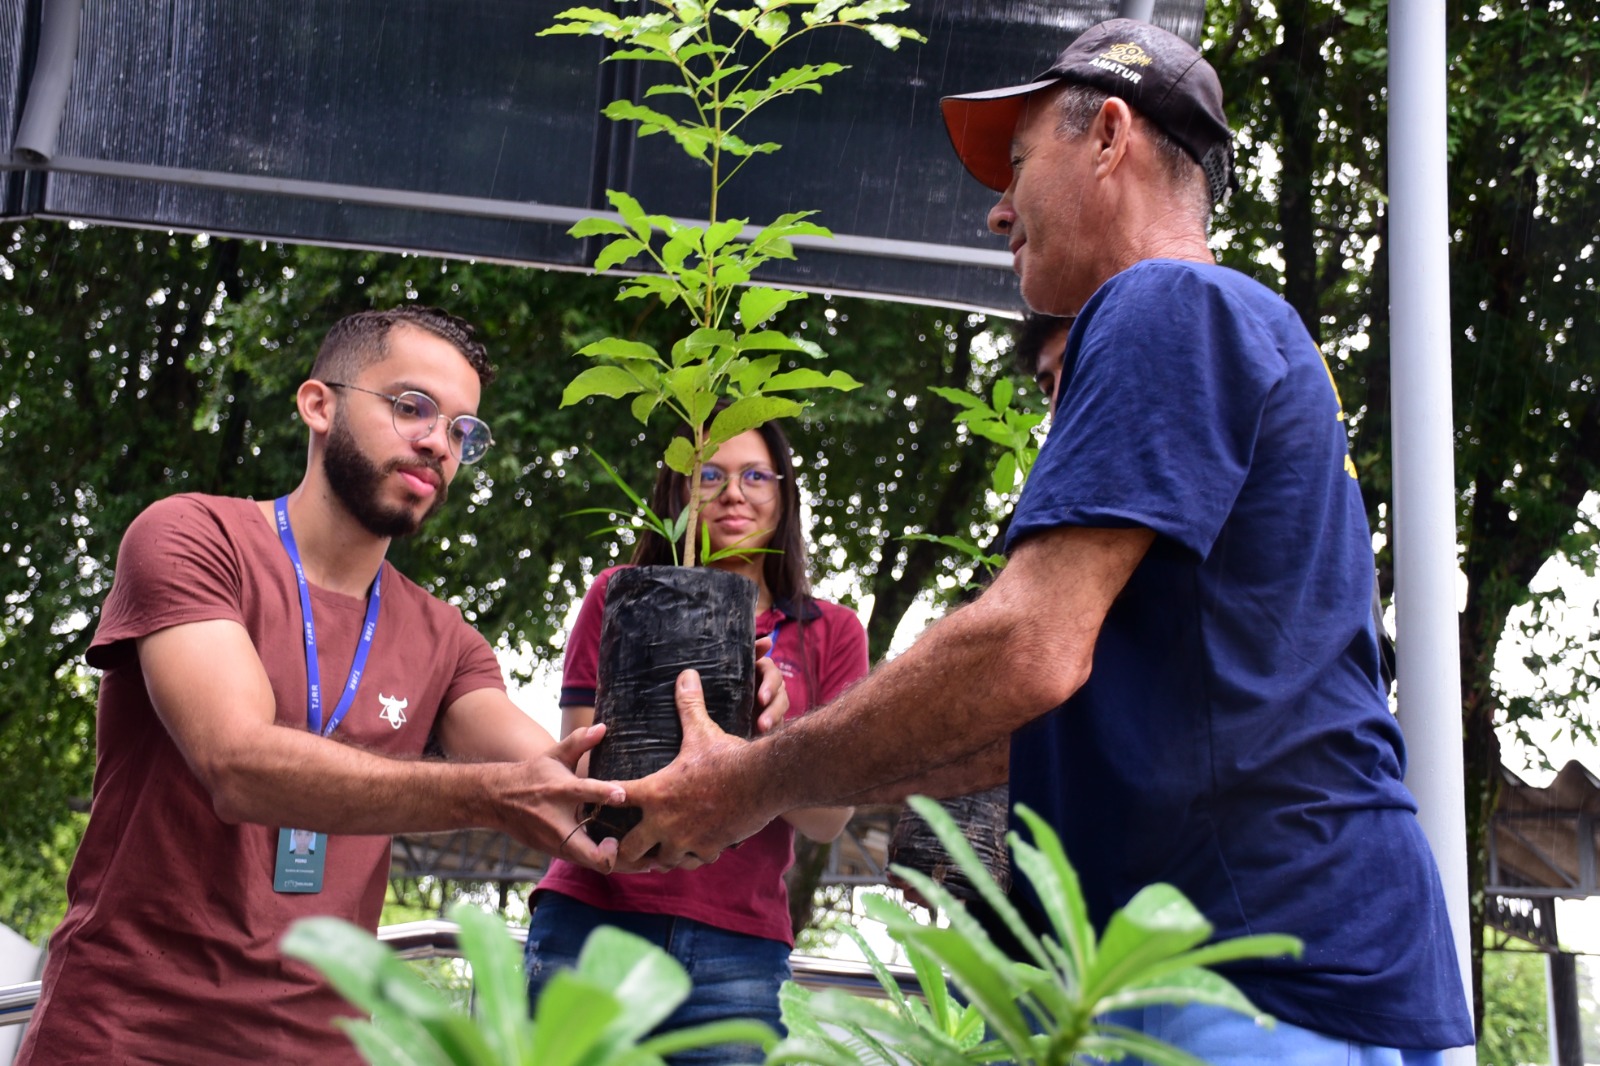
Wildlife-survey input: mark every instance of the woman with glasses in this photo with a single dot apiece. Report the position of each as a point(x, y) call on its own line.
point(727, 922)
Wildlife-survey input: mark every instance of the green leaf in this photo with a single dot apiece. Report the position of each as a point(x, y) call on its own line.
point(872, 9)
point(770, 28)
point(591, 227)
point(721, 233)
point(1192, 985)
point(350, 958)
point(767, 340)
point(748, 413)
point(499, 985)
point(617, 252)
point(750, 374)
point(680, 456)
point(960, 850)
point(1055, 882)
point(644, 285)
point(739, 146)
point(886, 980)
point(712, 1034)
point(700, 343)
point(1004, 390)
point(393, 1047)
point(758, 304)
point(812, 379)
point(635, 972)
point(891, 36)
point(802, 78)
point(1156, 924)
point(1110, 1042)
point(983, 973)
point(612, 381)
point(569, 1019)
point(688, 383)
point(959, 397)
point(644, 406)
point(1005, 474)
point(632, 213)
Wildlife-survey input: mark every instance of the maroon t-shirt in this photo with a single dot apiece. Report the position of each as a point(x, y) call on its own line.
point(820, 648)
point(169, 949)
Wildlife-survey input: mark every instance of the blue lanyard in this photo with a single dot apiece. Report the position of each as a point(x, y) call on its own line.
point(313, 675)
point(772, 653)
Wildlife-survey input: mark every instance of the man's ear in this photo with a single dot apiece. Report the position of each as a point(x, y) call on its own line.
point(1111, 131)
point(316, 402)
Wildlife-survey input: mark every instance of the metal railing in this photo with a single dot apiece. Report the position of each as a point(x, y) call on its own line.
point(436, 939)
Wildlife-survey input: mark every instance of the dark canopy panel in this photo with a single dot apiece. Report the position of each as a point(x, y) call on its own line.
point(449, 127)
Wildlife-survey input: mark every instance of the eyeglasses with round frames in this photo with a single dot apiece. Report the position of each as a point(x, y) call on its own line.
point(757, 483)
point(416, 413)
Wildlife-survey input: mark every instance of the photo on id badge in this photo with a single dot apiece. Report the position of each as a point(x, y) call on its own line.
point(300, 856)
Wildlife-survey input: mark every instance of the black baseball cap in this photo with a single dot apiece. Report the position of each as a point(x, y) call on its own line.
point(1159, 74)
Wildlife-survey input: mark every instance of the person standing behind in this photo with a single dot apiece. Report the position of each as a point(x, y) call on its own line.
point(1179, 655)
point(215, 759)
point(726, 922)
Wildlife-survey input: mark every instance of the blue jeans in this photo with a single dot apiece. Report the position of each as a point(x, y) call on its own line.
point(734, 975)
point(1224, 1038)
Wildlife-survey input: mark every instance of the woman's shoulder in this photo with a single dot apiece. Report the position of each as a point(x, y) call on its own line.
point(838, 616)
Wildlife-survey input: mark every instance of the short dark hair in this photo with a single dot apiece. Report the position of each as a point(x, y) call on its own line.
point(785, 567)
point(1029, 338)
point(358, 341)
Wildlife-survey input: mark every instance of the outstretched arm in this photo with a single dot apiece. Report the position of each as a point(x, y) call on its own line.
point(212, 693)
point(1020, 650)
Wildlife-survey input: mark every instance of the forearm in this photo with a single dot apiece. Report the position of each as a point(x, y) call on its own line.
point(962, 777)
point(294, 778)
point(901, 724)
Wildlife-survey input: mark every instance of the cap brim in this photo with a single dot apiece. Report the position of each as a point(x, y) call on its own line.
point(981, 126)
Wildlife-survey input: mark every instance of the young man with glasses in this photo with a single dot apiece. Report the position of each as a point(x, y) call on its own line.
point(215, 756)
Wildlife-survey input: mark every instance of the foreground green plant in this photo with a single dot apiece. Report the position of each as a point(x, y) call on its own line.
point(731, 353)
point(596, 1015)
point(1153, 951)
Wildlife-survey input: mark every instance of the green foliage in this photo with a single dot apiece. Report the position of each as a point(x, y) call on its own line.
point(1013, 430)
point(1515, 1010)
point(599, 1014)
point(730, 354)
point(1153, 951)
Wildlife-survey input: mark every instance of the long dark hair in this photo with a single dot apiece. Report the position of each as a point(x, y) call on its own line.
point(785, 566)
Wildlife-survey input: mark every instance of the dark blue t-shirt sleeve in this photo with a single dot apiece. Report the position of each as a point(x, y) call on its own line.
point(1158, 423)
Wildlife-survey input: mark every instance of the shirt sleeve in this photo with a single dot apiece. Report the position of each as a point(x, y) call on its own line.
point(845, 660)
point(176, 565)
point(477, 666)
point(1158, 424)
point(580, 666)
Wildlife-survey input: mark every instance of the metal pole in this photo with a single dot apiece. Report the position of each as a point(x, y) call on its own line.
point(1427, 641)
point(40, 125)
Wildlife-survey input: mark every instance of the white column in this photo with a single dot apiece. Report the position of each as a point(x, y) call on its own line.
point(1426, 635)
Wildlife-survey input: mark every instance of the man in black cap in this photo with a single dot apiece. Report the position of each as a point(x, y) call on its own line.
point(1181, 640)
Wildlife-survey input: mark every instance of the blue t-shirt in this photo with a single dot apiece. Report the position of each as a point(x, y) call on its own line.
point(1233, 738)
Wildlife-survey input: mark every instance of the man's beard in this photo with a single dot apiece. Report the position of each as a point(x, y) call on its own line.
point(356, 481)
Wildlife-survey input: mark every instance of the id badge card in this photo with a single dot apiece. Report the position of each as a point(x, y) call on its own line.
point(301, 854)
